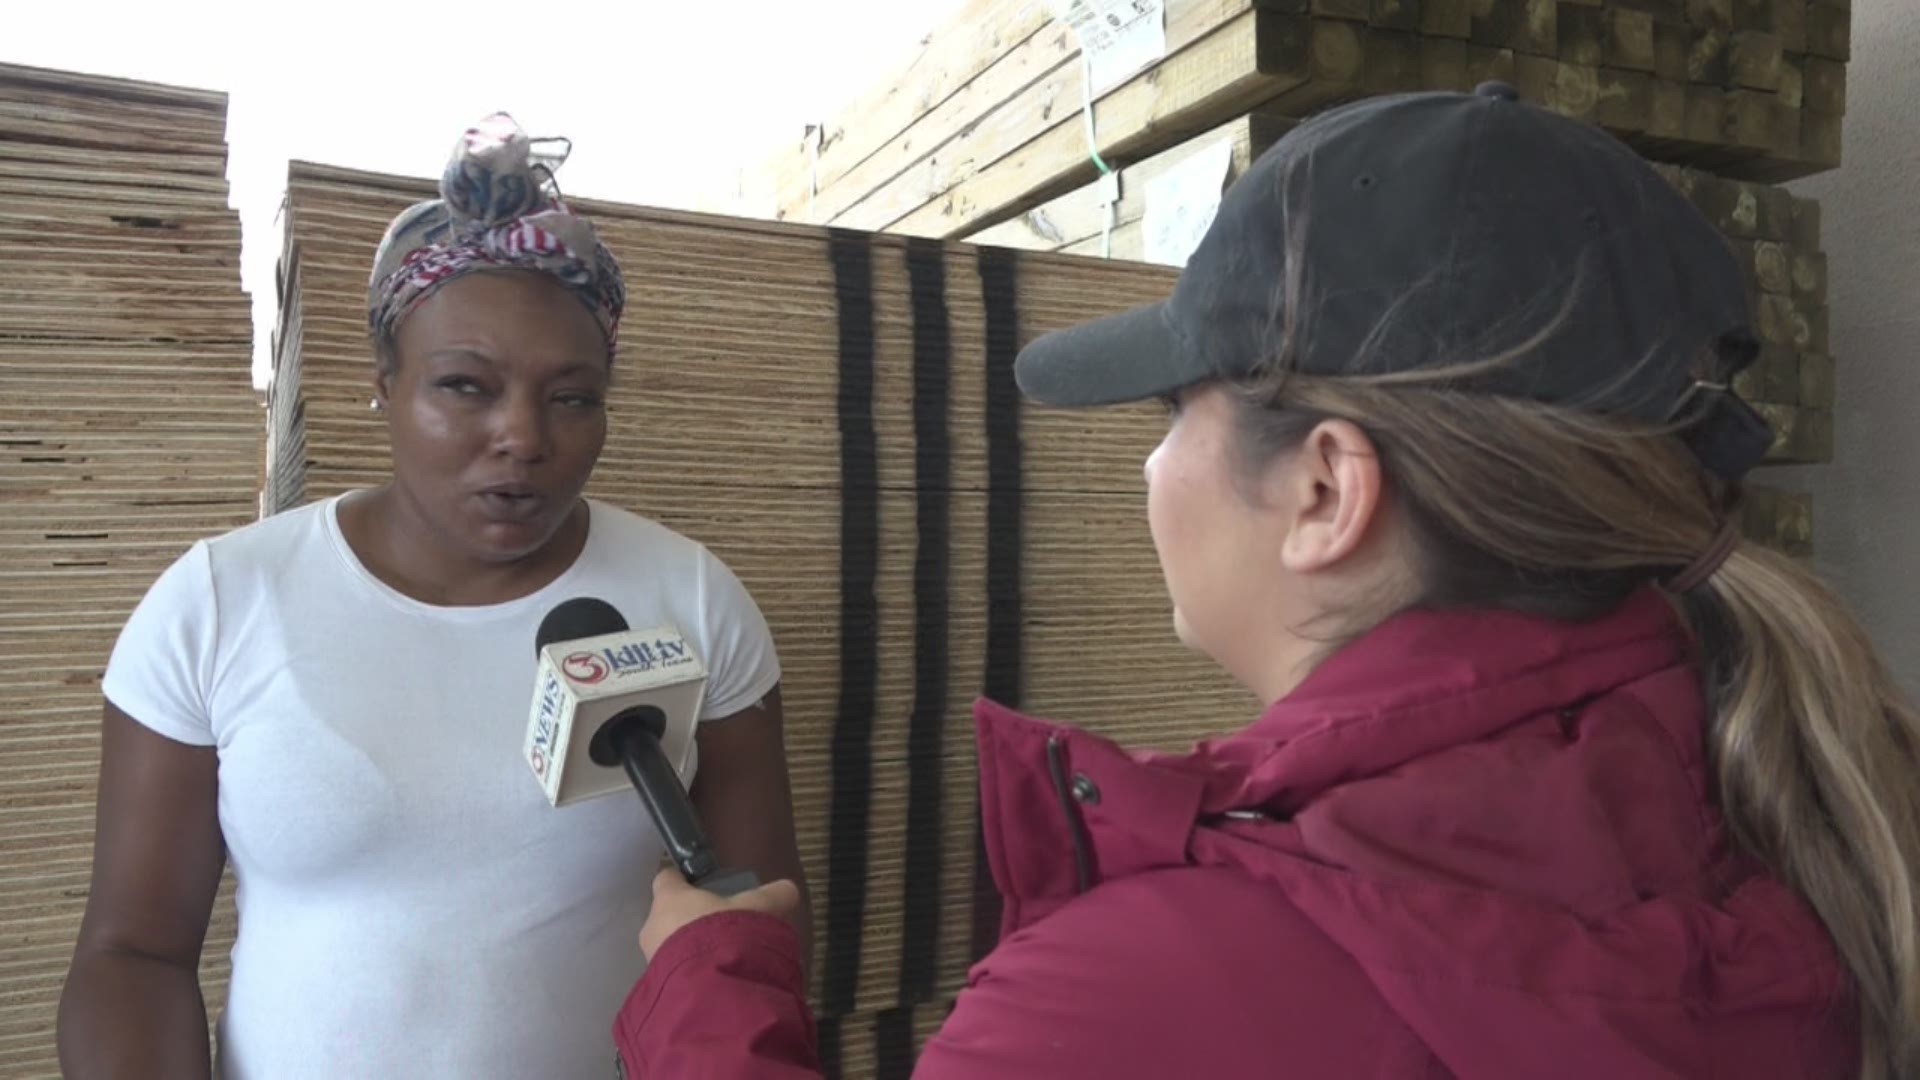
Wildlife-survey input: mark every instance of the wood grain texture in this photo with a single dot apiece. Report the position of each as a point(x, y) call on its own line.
point(1751, 89)
point(128, 429)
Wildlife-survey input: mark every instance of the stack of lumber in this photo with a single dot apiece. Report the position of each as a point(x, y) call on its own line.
point(986, 120)
point(284, 460)
point(993, 133)
point(834, 414)
point(128, 429)
point(1776, 237)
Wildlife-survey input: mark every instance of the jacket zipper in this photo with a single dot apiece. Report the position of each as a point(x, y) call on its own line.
point(1057, 769)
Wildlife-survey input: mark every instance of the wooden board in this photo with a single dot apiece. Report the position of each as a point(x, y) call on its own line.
point(128, 429)
point(988, 121)
point(944, 75)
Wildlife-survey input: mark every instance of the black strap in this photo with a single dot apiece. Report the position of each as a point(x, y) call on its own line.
point(926, 730)
point(828, 1032)
point(893, 1049)
point(852, 745)
point(999, 290)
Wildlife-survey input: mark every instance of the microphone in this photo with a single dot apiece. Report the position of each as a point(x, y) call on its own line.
point(638, 694)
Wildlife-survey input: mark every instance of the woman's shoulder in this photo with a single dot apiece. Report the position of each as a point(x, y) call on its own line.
point(270, 542)
point(625, 535)
point(267, 545)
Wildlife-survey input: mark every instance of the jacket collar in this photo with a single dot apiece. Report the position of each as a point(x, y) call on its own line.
point(1416, 685)
point(1424, 681)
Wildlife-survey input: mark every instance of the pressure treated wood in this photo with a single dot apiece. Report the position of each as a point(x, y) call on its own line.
point(987, 121)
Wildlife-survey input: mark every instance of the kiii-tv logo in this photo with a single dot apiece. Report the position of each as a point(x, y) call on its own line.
point(588, 668)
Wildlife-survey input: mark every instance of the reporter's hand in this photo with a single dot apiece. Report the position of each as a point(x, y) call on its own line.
point(676, 903)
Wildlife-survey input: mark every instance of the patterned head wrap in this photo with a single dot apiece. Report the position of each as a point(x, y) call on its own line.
point(499, 208)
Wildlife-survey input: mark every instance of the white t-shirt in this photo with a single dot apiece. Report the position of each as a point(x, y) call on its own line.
point(410, 905)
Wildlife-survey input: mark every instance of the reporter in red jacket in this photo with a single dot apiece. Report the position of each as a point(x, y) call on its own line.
point(1557, 776)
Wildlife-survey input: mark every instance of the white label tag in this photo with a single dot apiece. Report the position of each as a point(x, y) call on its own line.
point(1119, 37)
point(1182, 202)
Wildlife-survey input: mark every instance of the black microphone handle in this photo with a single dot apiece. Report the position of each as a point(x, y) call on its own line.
point(672, 812)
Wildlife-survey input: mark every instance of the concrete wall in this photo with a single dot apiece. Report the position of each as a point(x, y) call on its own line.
point(1867, 503)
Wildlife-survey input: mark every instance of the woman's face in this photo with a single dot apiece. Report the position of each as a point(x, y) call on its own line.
point(1202, 529)
point(496, 407)
point(1253, 562)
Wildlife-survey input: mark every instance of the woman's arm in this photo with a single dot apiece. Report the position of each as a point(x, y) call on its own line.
point(132, 1005)
point(724, 995)
point(744, 800)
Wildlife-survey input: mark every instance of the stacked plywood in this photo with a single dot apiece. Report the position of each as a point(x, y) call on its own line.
point(128, 429)
point(986, 121)
point(285, 455)
point(834, 414)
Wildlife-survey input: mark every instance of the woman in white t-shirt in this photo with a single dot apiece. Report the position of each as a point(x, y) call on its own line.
point(333, 700)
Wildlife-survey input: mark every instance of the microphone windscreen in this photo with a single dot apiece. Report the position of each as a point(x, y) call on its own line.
point(581, 617)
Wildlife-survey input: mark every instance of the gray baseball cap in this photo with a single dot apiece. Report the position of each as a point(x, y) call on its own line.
point(1439, 231)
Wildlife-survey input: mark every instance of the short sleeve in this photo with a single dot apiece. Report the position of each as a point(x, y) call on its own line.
point(742, 665)
point(162, 664)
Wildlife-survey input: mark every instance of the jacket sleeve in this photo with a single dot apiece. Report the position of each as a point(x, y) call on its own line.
point(724, 999)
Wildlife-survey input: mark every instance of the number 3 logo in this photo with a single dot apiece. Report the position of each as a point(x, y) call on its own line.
point(584, 667)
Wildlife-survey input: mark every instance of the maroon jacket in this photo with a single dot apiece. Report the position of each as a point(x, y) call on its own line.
point(1470, 845)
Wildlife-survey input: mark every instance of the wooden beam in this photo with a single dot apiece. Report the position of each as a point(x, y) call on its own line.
point(1353, 10)
point(1238, 66)
point(1443, 64)
point(1829, 31)
point(1402, 15)
point(1585, 33)
point(1446, 18)
point(1826, 86)
point(1213, 62)
point(1074, 222)
point(979, 36)
point(1816, 381)
point(1045, 66)
point(1755, 58)
point(1629, 40)
point(1780, 520)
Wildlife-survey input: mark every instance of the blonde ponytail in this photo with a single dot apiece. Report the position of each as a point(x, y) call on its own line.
point(1818, 775)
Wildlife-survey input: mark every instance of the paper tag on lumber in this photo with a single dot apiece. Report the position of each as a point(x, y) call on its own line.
point(1119, 37)
point(1182, 202)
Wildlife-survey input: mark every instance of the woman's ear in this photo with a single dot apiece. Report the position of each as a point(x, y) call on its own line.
point(383, 363)
point(1332, 488)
